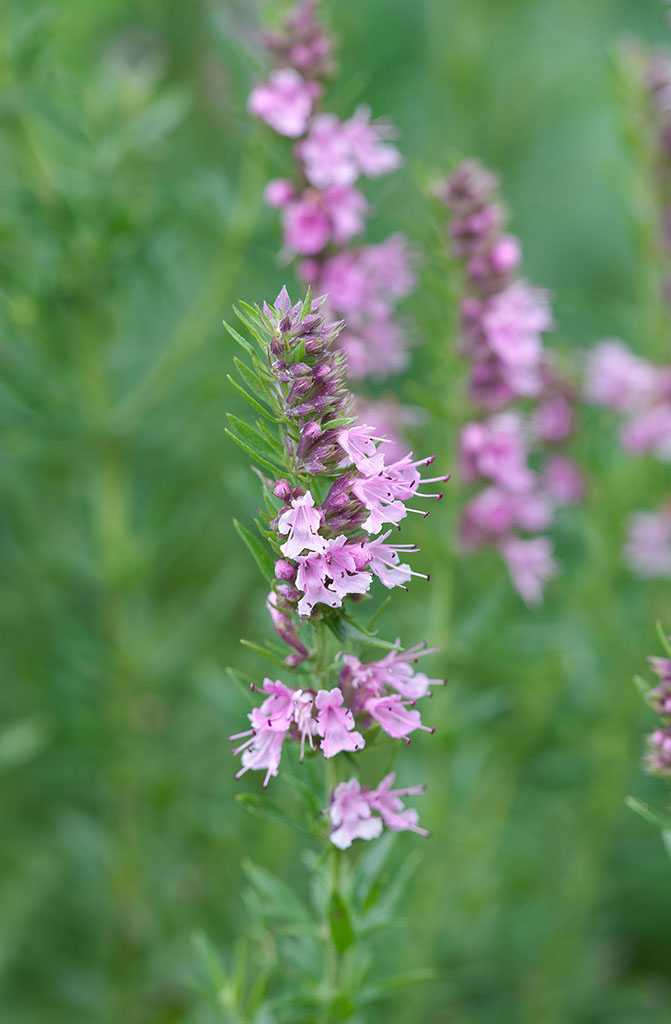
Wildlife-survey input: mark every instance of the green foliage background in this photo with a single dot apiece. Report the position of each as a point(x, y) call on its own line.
point(130, 220)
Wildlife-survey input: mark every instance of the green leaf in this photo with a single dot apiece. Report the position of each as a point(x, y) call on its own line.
point(258, 551)
point(263, 807)
point(254, 402)
point(254, 453)
point(646, 812)
point(238, 337)
point(666, 641)
point(666, 839)
point(265, 652)
point(340, 923)
point(277, 899)
point(343, 421)
point(382, 989)
point(254, 436)
point(239, 680)
point(370, 869)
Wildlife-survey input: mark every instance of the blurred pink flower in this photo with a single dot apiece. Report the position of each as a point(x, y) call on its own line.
point(284, 102)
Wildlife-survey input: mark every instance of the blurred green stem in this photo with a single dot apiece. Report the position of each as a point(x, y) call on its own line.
point(112, 532)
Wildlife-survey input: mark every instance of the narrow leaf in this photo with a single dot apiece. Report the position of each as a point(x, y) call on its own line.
point(257, 549)
point(340, 923)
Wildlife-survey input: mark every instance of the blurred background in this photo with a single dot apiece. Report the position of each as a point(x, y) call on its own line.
point(131, 219)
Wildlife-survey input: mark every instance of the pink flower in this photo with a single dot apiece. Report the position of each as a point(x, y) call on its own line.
point(387, 802)
point(392, 715)
point(271, 723)
point(513, 322)
point(261, 752)
point(328, 577)
point(278, 192)
point(496, 449)
point(326, 153)
point(284, 102)
point(376, 347)
point(648, 549)
point(618, 379)
point(336, 152)
point(377, 496)
point(351, 810)
point(389, 418)
point(307, 225)
point(387, 266)
point(346, 208)
point(360, 446)
point(350, 815)
point(385, 562)
point(341, 565)
point(563, 481)
point(394, 671)
point(311, 581)
point(491, 514)
point(373, 155)
point(530, 564)
point(553, 420)
point(335, 723)
point(650, 431)
point(301, 521)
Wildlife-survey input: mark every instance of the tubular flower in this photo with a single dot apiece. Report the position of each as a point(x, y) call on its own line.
point(503, 320)
point(352, 808)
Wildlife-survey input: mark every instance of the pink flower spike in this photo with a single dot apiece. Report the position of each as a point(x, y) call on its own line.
point(387, 802)
point(301, 521)
point(284, 102)
point(392, 715)
point(335, 723)
point(350, 815)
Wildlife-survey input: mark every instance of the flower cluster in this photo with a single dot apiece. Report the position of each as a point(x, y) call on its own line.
point(503, 319)
point(322, 208)
point(328, 524)
point(658, 758)
point(333, 548)
point(378, 694)
point(640, 392)
point(351, 811)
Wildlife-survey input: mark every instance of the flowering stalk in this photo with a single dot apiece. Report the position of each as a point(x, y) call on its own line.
point(638, 389)
point(640, 393)
point(503, 319)
point(331, 499)
point(322, 208)
point(657, 759)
